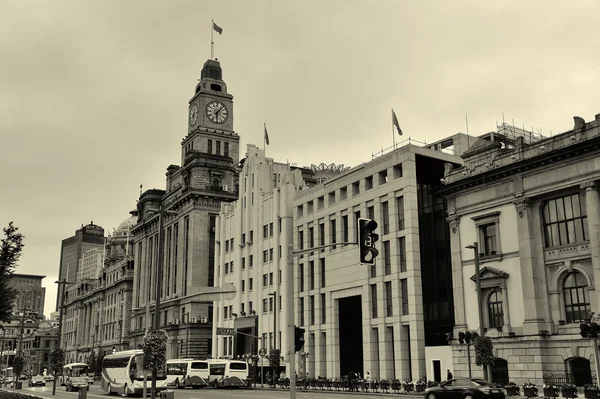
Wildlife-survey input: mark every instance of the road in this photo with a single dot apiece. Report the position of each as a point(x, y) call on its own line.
point(209, 393)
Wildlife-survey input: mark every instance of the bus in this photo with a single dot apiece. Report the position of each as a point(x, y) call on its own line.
point(123, 373)
point(183, 373)
point(225, 373)
point(71, 370)
point(7, 375)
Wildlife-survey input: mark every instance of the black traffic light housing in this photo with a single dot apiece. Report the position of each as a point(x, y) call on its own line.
point(366, 241)
point(467, 337)
point(298, 338)
point(589, 329)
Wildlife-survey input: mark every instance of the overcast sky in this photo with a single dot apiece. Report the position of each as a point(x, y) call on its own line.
point(94, 94)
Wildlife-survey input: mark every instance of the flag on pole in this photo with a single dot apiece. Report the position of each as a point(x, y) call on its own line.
point(266, 135)
point(217, 28)
point(395, 122)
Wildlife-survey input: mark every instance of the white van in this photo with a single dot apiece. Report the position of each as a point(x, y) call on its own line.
point(228, 373)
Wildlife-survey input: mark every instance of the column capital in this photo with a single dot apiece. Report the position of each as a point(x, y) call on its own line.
point(589, 185)
point(454, 221)
point(522, 204)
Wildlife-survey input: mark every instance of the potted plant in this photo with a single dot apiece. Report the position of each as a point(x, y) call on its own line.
point(569, 391)
point(550, 391)
point(512, 389)
point(374, 385)
point(420, 385)
point(591, 391)
point(408, 386)
point(385, 385)
point(396, 385)
point(530, 390)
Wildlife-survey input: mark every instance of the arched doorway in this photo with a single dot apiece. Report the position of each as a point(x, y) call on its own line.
point(581, 373)
point(500, 371)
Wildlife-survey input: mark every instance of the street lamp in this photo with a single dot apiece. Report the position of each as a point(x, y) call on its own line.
point(274, 295)
point(475, 248)
point(62, 287)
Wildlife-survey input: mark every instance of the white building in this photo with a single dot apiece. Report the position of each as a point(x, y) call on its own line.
point(90, 264)
point(253, 234)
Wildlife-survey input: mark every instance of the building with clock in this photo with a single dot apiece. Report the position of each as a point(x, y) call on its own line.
point(195, 189)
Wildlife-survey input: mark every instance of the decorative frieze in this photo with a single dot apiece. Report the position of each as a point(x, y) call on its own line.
point(454, 221)
point(522, 205)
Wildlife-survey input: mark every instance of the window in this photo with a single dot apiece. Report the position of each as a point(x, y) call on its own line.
point(312, 275)
point(271, 255)
point(388, 298)
point(311, 237)
point(322, 234)
point(231, 267)
point(387, 258)
point(210, 146)
point(243, 285)
point(488, 239)
point(385, 215)
point(371, 212)
point(301, 239)
point(226, 149)
point(301, 312)
point(343, 193)
point(400, 210)
point(251, 261)
point(265, 231)
point(301, 276)
point(265, 280)
point(218, 151)
point(577, 304)
point(250, 310)
point(243, 263)
point(565, 221)
point(495, 313)
point(270, 304)
point(332, 231)
point(251, 236)
point(322, 271)
point(402, 253)
point(311, 306)
point(265, 305)
point(250, 284)
point(271, 229)
point(271, 278)
point(265, 256)
point(323, 310)
point(404, 295)
point(344, 228)
point(368, 182)
point(355, 188)
point(243, 238)
point(374, 300)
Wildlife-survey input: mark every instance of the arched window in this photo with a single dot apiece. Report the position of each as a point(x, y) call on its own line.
point(495, 313)
point(577, 304)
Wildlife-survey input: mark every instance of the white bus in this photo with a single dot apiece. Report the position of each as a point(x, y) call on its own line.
point(71, 370)
point(123, 373)
point(183, 373)
point(228, 373)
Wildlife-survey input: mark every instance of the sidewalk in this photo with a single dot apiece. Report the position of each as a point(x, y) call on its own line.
point(340, 392)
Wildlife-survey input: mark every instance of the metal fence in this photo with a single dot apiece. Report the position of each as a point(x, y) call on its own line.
point(569, 378)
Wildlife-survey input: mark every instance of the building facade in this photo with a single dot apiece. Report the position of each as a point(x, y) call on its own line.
point(22, 325)
point(97, 313)
point(208, 176)
point(253, 234)
point(87, 237)
point(390, 319)
point(530, 205)
point(37, 346)
point(30, 293)
point(90, 264)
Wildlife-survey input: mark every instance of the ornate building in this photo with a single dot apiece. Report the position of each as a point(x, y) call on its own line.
point(97, 312)
point(530, 205)
point(30, 293)
point(208, 176)
point(37, 345)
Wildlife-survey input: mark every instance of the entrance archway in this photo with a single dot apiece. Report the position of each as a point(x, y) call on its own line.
point(500, 371)
point(581, 372)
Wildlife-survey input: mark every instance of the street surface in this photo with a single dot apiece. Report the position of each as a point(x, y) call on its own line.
point(209, 393)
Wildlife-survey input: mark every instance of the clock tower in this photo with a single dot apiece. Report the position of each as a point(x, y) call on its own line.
point(208, 176)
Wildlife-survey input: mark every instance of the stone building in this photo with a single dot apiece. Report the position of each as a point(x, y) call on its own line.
point(37, 345)
point(208, 176)
point(97, 314)
point(30, 293)
point(390, 319)
point(530, 205)
point(253, 234)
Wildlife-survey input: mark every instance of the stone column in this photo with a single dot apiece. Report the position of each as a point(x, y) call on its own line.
point(457, 275)
point(506, 309)
point(592, 206)
point(535, 299)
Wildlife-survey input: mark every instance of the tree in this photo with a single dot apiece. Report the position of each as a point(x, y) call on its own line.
point(275, 362)
point(57, 361)
point(155, 354)
point(18, 365)
point(92, 362)
point(484, 353)
point(10, 252)
point(99, 361)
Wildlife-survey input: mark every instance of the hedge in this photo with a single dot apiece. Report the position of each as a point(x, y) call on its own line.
point(16, 395)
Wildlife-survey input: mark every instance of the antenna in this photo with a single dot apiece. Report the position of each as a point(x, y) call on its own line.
point(467, 122)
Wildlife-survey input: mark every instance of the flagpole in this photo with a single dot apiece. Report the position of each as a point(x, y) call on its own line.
point(265, 138)
point(212, 42)
point(393, 134)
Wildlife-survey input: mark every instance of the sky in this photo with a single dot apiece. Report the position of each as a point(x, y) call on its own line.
point(94, 94)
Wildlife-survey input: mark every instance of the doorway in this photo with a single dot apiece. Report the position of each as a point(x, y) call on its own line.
point(350, 335)
point(437, 371)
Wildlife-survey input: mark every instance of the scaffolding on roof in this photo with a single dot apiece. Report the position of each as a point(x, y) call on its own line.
point(512, 133)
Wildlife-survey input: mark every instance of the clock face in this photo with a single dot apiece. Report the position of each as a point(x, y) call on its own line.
point(193, 114)
point(217, 112)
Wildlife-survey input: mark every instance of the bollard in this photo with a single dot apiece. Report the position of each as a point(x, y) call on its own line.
point(167, 394)
point(82, 394)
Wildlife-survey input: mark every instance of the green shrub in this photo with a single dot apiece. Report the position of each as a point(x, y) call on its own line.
point(16, 395)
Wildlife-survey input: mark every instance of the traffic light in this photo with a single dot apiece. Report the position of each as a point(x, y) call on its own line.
point(298, 338)
point(366, 241)
point(467, 337)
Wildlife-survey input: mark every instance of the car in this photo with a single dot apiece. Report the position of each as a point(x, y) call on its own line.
point(49, 378)
point(37, 381)
point(79, 382)
point(462, 388)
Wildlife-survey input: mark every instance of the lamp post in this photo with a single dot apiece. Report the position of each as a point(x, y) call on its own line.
point(62, 287)
point(475, 248)
point(274, 295)
point(162, 212)
point(187, 333)
point(2, 345)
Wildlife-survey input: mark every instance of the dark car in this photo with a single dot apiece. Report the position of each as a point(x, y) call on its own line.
point(465, 388)
point(37, 381)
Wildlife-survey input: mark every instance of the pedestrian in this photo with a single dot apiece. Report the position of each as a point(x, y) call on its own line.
point(449, 375)
point(368, 377)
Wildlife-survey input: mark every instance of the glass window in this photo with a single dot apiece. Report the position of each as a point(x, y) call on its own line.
point(577, 304)
point(495, 312)
point(565, 221)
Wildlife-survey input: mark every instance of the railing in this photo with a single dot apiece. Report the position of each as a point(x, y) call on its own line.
point(568, 378)
point(409, 141)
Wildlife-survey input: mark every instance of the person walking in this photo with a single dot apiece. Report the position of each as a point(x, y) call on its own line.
point(449, 376)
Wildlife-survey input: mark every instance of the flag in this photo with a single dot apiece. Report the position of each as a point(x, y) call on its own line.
point(395, 122)
point(217, 28)
point(266, 135)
